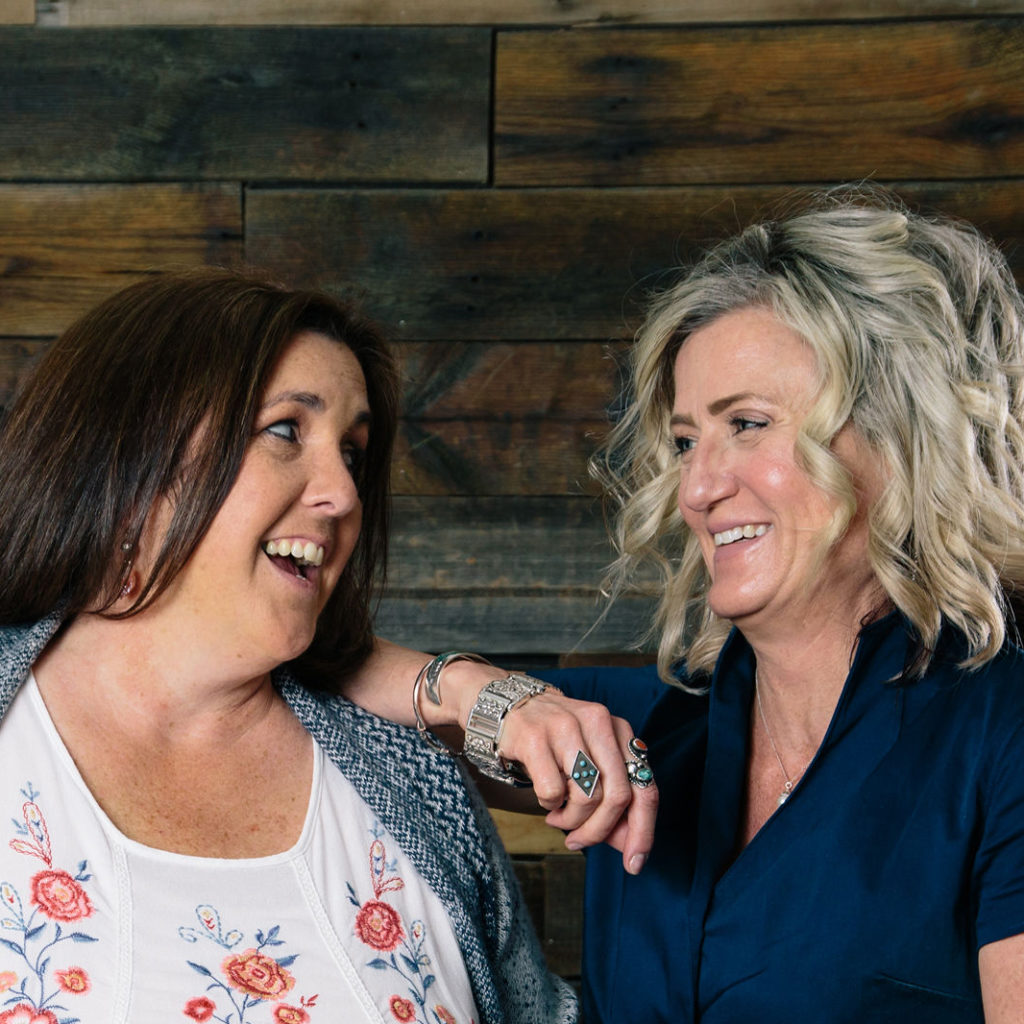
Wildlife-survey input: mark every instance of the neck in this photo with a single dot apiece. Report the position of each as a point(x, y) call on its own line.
point(160, 685)
point(800, 681)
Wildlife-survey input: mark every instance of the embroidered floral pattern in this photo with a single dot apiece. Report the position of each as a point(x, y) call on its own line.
point(402, 1009)
point(247, 980)
point(25, 1014)
point(56, 898)
point(74, 979)
point(290, 1014)
point(379, 925)
point(257, 975)
point(200, 1009)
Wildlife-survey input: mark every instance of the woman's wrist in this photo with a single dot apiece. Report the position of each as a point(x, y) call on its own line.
point(458, 687)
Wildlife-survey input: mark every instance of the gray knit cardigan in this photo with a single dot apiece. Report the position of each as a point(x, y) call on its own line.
point(433, 812)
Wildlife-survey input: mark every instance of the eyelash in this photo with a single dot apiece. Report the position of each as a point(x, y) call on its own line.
point(740, 424)
point(292, 425)
point(353, 454)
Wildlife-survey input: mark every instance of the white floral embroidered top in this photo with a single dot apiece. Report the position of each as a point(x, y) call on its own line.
point(98, 929)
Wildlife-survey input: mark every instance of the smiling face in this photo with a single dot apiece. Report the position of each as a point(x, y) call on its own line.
point(262, 573)
point(743, 386)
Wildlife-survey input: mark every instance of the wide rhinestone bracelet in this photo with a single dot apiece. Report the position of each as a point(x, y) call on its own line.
point(486, 720)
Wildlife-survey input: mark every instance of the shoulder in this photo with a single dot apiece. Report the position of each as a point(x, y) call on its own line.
point(20, 645)
point(981, 709)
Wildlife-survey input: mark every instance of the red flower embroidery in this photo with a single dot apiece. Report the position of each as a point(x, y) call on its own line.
point(402, 1009)
point(290, 1015)
point(444, 1014)
point(257, 975)
point(200, 1009)
point(59, 896)
point(379, 925)
point(25, 1014)
point(74, 979)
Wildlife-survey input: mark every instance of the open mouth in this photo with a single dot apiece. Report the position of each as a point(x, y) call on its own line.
point(747, 532)
point(300, 558)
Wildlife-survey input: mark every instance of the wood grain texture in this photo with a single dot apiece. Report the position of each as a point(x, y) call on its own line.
point(534, 263)
point(570, 381)
point(17, 12)
point(553, 890)
point(514, 574)
point(63, 248)
point(283, 104)
point(528, 834)
point(465, 457)
point(508, 12)
point(760, 104)
point(502, 418)
point(517, 624)
point(554, 545)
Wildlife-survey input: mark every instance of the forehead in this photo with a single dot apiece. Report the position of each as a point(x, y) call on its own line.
point(314, 361)
point(745, 352)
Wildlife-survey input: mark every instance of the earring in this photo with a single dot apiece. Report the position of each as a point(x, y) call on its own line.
point(131, 577)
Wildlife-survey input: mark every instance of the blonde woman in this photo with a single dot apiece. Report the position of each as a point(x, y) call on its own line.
point(823, 456)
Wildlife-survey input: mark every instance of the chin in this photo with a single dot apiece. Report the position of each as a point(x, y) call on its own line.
point(734, 607)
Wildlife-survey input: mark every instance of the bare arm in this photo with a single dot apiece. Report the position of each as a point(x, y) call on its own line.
point(543, 735)
point(1001, 966)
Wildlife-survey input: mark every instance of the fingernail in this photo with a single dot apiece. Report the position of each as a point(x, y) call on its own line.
point(636, 863)
point(574, 846)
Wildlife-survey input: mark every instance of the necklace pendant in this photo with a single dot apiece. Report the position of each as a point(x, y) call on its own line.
point(782, 799)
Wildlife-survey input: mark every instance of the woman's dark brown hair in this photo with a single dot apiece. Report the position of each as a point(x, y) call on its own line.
point(108, 423)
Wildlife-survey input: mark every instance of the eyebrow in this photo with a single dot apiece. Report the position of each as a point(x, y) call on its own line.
point(306, 398)
point(313, 401)
point(719, 405)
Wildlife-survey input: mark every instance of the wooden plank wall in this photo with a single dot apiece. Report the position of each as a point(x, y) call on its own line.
point(502, 185)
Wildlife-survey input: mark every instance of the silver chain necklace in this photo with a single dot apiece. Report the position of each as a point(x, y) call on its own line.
point(787, 789)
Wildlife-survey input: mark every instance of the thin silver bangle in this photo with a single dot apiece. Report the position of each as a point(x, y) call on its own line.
point(431, 675)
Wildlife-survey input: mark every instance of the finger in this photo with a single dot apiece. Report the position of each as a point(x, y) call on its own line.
point(544, 735)
point(633, 832)
point(614, 795)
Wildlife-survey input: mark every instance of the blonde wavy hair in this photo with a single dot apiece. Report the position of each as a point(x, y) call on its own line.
point(918, 331)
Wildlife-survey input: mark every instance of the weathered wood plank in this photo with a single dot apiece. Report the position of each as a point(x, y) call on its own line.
point(514, 574)
point(501, 418)
point(461, 457)
point(514, 544)
point(500, 381)
point(761, 104)
point(17, 12)
point(511, 623)
point(553, 890)
point(62, 248)
point(284, 104)
point(529, 834)
point(472, 12)
point(532, 263)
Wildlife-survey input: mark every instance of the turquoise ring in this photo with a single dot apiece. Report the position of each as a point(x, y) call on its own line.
point(585, 773)
point(638, 771)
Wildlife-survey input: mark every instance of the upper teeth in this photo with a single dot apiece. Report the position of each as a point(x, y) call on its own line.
point(306, 553)
point(738, 532)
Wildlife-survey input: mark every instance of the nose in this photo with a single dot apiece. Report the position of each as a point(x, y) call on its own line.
point(331, 487)
point(704, 478)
